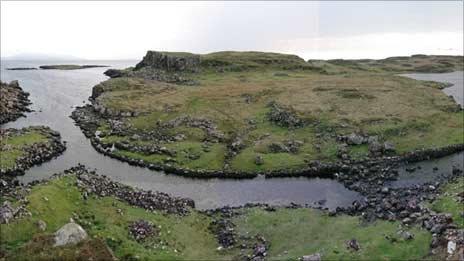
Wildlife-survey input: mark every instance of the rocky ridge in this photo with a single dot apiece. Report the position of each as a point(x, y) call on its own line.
point(14, 102)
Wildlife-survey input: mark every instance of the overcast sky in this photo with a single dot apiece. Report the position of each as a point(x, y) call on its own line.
point(313, 30)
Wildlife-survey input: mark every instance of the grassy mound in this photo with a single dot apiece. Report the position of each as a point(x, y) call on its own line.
point(275, 111)
point(12, 146)
point(22, 148)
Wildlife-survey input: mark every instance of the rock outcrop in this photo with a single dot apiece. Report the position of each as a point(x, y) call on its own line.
point(13, 102)
point(170, 61)
point(168, 67)
point(284, 117)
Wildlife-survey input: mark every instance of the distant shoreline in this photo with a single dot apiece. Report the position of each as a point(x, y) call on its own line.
point(69, 66)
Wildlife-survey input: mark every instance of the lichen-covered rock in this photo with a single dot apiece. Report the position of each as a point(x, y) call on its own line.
point(313, 257)
point(70, 233)
point(355, 139)
point(6, 213)
point(41, 225)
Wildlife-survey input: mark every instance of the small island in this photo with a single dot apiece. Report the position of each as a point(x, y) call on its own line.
point(21, 68)
point(69, 66)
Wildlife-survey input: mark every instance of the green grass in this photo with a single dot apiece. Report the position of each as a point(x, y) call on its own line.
point(414, 63)
point(179, 238)
point(358, 151)
point(340, 97)
point(12, 147)
point(436, 131)
point(292, 233)
point(448, 201)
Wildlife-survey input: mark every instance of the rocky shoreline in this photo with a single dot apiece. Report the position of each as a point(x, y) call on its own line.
point(406, 205)
point(32, 154)
point(14, 102)
point(92, 184)
point(87, 119)
point(369, 177)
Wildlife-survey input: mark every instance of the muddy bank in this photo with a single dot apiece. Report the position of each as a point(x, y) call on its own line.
point(14, 102)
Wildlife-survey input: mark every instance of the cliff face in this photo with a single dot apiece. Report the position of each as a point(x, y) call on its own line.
point(170, 61)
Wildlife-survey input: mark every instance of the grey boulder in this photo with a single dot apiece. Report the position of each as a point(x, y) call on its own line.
point(70, 233)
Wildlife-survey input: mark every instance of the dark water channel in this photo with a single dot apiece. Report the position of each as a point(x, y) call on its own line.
point(54, 93)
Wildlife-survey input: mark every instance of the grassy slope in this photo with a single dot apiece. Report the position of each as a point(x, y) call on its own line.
point(100, 219)
point(300, 231)
point(448, 201)
point(344, 98)
point(11, 147)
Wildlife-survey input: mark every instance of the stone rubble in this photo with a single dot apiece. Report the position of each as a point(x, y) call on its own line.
point(91, 183)
point(140, 230)
point(284, 117)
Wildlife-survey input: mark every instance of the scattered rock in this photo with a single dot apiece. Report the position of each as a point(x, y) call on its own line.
point(284, 117)
point(451, 247)
point(41, 225)
point(313, 257)
point(277, 147)
point(140, 230)
point(406, 235)
point(259, 160)
point(355, 139)
point(6, 213)
point(353, 244)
